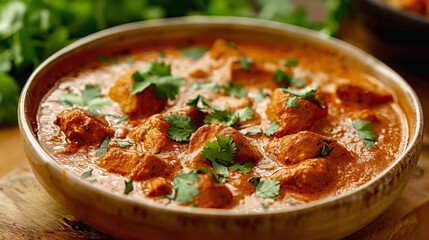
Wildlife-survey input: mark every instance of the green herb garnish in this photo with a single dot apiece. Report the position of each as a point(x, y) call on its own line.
point(292, 103)
point(128, 186)
point(233, 46)
point(122, 143)
point(212, 86)
point(129, 60)
point(86, 174)
point(184, 190)
point(194, 53)
point(181, 127)
point(221, 153)
point(267, 188)
point(290, 62)
point(287, 80)
point(90, 97)
point(325, 151)
point(219, 179)
point(104, 146)
point(124, 118)
point(244, 168)
point(264, 206)
point(222, 116)
point(235, 90)
point(252, 132)
point(246, 63)
point(162, 53)
point(365, 132)
point(307, 93)
point(157, 74)
point(272, 128)
point(246, 114)
point(103, 59)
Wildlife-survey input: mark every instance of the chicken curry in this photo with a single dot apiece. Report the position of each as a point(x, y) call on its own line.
point(219, 123)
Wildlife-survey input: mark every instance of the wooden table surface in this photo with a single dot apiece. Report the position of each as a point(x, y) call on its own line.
point(27, 212)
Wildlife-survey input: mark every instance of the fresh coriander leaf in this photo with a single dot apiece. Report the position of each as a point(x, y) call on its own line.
point(292, 103)
point(90, 97)
point(104, 146)
point(290, 62)
point(246, 114)
point(98, 103)
point(9, 94)
point(103, 59)
point(212, 86)
point(86, 174)
point(158, 74)
point(128, 186)
point(264, 206)
point(194, 52)
point(92, 180)
point(244, 168)
point(97, 114)
point(252, 132)
point(222, 116)
point(291, 204)
point(287, 80)
point(193, 102)
point(272, 128)
point(218, 179)
point(325, 151)
point(261, 96)
point(129, 60)
point(268, 189)
point(185, 191)
point(123, 143)
point(246, 63)
point(71, 99)
point(235, 90)
point(254, 181)
point(181, 127)
point(365, 132)
point(221, 153)
point(233, 45)
point(90, 92)
point(162, 53)
point(307, 93)
point(124, 118)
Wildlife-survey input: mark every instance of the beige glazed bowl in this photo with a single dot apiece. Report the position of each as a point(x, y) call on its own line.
point(126, 218)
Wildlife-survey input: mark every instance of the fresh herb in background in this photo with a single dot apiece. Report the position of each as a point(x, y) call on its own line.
point(281, 77)
point(30, 31)
point(261, 96)
point(307, 93)
point(252, 132)
point(290, 62)
point(246, 63)
point(194, 53)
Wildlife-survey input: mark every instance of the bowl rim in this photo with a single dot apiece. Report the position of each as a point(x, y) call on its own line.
point(338, 45)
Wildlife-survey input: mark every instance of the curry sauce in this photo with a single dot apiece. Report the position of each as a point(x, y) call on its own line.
point(228, 124)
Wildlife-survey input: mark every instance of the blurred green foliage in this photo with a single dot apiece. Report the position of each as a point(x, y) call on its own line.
point(31, 30)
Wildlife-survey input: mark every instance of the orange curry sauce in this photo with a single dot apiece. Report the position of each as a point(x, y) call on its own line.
point(314, 153)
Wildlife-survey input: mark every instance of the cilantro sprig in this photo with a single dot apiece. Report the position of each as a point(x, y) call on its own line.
point(194, 53)
point(365, 132)
point(244, 168)
point(292, 103)
point(181, 127)
point(246, 63)
point(159, 75)
point(90, 97)
point(307, 93)
point(104, 146)
point(221, 153)
point(232, 89)
point(272, 128)
point(219, 179)
point(290, 62)
point(325, 151)
point(281, 77)
point(267, 188)
point(185, 191)
point(261, 96)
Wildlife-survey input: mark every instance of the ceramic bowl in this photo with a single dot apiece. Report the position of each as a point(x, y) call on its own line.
point(126, 218)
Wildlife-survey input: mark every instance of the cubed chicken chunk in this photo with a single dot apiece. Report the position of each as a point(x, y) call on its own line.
point(310, 159)
point(221, 50)
point(82, 128)
point(152, 166)
point(142, 104)
point(355, 94)
point(245, 151)
point(158, 187)
point(212, 194)
point(294, 119)
point(155, 121)
point(196, 116)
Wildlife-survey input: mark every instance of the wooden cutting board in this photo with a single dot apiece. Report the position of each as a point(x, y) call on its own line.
point(28, 212)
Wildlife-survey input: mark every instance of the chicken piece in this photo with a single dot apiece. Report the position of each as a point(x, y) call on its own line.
point(293, 120)
point(155, 141)
point(359, 95)
point(158, 187)
point(221, 50)
point(309, 175)
point(212, 194)
point(152, 166)
point(230, 102)
point(258, 75)
point(307, 166)
point(155, 121)
point(82, 128)
point(197, 116)
point(245, 151)
point(117, 160)
point(142, 104)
